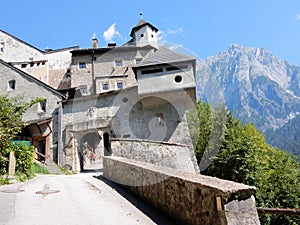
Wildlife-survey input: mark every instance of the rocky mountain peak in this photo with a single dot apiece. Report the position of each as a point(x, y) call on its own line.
point(256, 85)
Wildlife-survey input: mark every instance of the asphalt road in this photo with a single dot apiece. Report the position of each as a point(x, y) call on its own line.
point(84, 199)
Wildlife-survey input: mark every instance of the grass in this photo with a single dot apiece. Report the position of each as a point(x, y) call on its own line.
point(36, 169)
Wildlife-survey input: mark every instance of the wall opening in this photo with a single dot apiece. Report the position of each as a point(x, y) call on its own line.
point(106, 142)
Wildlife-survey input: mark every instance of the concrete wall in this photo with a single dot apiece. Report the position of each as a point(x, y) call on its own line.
point(175, 79)
point(190, 198)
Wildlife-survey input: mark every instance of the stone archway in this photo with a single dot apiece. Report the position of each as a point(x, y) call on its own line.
point(89, 151)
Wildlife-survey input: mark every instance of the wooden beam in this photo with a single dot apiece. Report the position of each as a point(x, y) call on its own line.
point(279, 211)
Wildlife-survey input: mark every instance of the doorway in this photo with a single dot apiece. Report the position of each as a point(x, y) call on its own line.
point(41, 148)
point(106, 142)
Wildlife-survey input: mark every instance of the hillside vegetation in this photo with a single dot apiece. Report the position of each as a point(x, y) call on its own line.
point(228, 149)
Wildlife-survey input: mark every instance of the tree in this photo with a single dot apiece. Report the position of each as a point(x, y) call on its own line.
point(11, 124)
point(245, 157)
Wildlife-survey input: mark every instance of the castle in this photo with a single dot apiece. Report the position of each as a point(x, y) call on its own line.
point(129, 100)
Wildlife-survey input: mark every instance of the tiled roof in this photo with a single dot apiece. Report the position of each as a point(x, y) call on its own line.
point(163, 56)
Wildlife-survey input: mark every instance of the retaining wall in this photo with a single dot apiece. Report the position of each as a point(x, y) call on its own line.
point(188, 197)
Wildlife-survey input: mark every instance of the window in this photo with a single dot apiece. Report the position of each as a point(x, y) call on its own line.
point(11, 85)
point(32, 64)
point(159, 70)
point(118, 63)
point(178, 79)
point(119, 85)
point(83, 89)
point(43, 105)
point(23, 65)
point(174, 68)
point(68, 77)
point(137, 61)
point(105, 87)
point(82, 65)
point(2, 44)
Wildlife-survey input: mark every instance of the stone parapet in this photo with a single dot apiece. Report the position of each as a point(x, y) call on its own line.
point(188, 197)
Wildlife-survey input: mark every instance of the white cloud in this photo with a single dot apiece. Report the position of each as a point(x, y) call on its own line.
point(110, 33)
point(178, 30)
point(298, 17)
point(162, 35)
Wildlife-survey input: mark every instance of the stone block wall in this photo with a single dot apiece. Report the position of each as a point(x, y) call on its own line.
point(190, 198)
point(176, 156)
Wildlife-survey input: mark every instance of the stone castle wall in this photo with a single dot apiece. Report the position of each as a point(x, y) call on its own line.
point(190, 198)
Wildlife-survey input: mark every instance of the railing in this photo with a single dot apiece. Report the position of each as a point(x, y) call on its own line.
point(44, 156)
point(279, 211)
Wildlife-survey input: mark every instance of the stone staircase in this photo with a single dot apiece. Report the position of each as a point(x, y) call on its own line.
point(50, 166)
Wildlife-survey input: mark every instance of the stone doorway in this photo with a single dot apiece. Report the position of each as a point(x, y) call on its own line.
point(89, 151)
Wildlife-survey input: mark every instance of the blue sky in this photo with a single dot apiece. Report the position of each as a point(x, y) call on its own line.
point(204, 27)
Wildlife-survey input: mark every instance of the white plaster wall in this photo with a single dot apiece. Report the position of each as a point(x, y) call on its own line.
point(29, 90)
point(16, 51)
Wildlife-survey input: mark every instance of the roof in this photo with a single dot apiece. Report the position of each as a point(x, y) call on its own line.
point(101, 50)
point(19, 40)
point(140, 24)
point(31, 46)
point(32, 78)
point(163, 56)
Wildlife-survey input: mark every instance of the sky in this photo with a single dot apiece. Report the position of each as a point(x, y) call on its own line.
point(205, 28)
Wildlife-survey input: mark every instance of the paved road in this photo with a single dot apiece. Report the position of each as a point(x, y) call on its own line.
point(84, 199)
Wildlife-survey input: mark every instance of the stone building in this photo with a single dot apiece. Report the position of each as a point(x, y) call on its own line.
point(131, 102)
point(48, 66)
point(42, 118)
point(127, 100)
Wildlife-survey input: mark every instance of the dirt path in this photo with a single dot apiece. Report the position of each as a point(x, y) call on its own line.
point(73, 199)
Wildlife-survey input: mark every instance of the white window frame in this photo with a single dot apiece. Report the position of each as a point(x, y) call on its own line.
point(118, 63)
point(105, 83)
point(119, 82)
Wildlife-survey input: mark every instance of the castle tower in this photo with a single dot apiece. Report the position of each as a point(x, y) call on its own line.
point(144, 33)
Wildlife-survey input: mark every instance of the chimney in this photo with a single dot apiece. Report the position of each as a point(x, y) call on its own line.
point(94, 41)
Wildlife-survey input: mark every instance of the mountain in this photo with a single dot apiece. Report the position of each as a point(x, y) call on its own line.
point(286, 137)
point(256, 86)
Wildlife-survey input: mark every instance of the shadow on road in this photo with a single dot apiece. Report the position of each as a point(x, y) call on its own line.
point(92, 171)
point(153, 213)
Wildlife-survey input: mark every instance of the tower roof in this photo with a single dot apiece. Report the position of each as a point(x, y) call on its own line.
point(140, 24)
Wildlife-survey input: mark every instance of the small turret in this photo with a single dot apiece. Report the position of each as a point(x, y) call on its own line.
point(144, 33)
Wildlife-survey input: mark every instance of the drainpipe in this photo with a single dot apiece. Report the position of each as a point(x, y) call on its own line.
point(93, 74)
point(47, 74)
point(60, 134)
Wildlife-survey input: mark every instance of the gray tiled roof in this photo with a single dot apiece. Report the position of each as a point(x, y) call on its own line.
point(163, 56)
